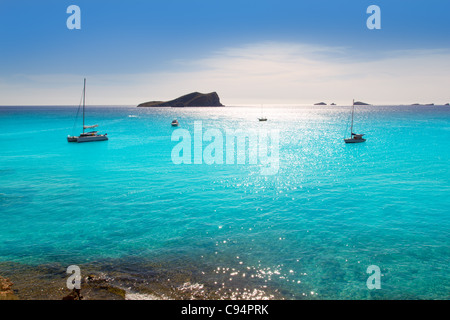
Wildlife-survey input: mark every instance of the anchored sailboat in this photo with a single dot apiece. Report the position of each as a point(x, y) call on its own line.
point(354, 137)
point(91, 135)
point(262, 117)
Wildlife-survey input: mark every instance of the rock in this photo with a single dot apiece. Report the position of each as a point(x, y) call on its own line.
point(6, 291)
point(333, 104)
point(359, 103)
point(74, 295)
point(195, 99)
point(320, 104)
point(100, 287)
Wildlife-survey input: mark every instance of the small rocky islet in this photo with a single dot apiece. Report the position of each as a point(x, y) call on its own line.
point(194, 99)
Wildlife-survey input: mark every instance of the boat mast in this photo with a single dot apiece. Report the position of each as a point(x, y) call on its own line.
point(351, 127)
point(84, 99)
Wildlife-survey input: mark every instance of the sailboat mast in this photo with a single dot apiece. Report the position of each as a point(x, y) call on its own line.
point(353, 111)
point(84, 99)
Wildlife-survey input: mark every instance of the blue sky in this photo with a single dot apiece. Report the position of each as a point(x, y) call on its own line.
point(133, 51)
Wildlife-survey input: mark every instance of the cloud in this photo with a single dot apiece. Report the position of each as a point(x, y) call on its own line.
point(297, 73)
point(268, 72)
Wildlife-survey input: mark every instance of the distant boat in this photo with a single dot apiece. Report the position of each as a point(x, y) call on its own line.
point(175, 123)
point(91, 135)
point(262, 117)
point(354, 137)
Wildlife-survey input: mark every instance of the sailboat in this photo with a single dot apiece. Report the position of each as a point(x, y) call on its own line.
point(262, 117)
point(91, 135)
point(354, 137)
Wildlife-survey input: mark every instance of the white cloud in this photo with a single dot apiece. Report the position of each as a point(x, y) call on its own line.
point(257, 73)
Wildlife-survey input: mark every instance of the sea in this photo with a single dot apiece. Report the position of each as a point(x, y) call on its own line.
point(331, 221)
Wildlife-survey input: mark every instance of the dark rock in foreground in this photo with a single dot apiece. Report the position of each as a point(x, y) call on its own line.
point(195, 99)
point(74, 295)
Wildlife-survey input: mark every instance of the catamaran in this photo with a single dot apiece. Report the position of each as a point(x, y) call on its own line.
point(354, 137)
point(91, 135)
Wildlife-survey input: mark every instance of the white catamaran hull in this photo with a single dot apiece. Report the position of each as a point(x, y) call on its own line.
point(354, 140)
point(92, 138)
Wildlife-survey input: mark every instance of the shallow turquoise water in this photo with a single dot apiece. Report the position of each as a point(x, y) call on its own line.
point(310, 230)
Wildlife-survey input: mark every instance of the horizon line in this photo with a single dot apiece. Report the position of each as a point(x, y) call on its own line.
point(231, 105)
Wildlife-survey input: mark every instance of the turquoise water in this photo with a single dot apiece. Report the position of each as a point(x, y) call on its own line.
point(310, 230)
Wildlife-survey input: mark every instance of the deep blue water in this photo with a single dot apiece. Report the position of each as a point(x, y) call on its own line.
point(311, 230)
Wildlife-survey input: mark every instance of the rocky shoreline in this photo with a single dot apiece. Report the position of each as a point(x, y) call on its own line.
point(48, 282)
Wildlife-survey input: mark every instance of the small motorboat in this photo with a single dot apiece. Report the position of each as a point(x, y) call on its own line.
point(175, 123)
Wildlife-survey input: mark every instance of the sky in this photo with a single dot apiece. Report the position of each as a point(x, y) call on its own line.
point(249, 52)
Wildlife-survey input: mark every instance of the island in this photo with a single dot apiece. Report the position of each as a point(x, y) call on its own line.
point(194, 99)
point(320, 104)
point(359, 103)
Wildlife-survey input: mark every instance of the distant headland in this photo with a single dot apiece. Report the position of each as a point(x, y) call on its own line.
point(194, 99)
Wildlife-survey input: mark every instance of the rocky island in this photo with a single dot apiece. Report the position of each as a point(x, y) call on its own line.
point(359, 103)
point(194, 99)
